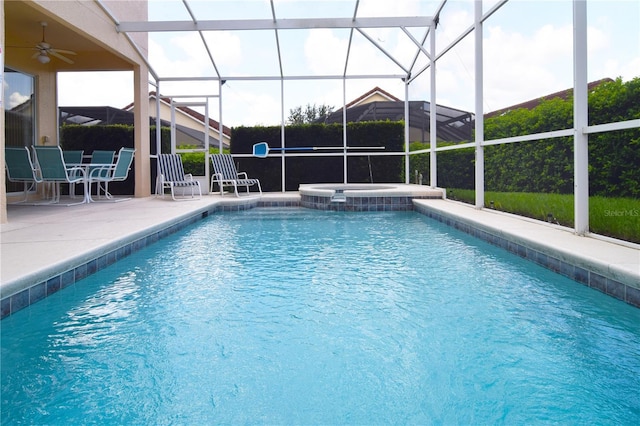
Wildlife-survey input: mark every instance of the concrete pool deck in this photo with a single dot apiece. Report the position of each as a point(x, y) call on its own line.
point(46, 248)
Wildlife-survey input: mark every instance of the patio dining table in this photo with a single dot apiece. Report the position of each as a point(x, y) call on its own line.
point(87, 167)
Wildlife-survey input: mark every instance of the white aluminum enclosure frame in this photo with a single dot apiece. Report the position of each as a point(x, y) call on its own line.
point(353, 24)
point(580, 130)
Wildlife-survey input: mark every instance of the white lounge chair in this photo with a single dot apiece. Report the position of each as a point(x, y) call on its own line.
point(171, 175)
point(226, 174)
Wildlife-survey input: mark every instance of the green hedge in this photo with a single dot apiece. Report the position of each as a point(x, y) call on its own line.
point(546, 166)
point(319, 168)
point(455, 168)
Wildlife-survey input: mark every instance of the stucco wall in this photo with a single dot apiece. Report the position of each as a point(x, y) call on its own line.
point(86, 22)
point(131, 10)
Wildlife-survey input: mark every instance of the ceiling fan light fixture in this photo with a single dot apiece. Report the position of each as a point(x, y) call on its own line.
point(43, 58)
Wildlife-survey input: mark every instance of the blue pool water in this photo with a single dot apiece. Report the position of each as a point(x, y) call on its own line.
point(288, 316)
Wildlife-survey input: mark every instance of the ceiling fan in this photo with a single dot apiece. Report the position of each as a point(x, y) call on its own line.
point(44, 49)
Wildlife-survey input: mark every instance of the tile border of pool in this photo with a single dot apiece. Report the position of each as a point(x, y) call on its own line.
point(602, 278)
point(362, 204)
point(542, 255)
point(111, 254)
point(365, 197)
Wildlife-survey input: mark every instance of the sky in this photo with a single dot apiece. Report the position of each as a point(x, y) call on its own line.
point(527, 54)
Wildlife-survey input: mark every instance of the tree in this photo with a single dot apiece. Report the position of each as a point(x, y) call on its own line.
point(309, 115)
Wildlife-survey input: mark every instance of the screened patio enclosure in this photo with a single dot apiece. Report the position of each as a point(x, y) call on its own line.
point(276, 29)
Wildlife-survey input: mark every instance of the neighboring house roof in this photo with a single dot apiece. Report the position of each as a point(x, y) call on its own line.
point(531, 104)
point(194, 114)
point(94, 115)
point(371, 95)
point(453, 124)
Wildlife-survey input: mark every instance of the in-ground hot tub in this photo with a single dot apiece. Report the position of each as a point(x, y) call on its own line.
point(364, 197)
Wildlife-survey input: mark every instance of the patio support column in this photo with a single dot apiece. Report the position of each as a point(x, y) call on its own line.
point(141, 139)
point(580, 118)
point(46, 113)
point(479, 89)
point(433, 109)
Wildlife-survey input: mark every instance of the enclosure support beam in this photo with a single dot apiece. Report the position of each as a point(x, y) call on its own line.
point(158, 120)
point(580, 118)
point(407, 163)
point(433, 124)
point(205, 128)
point(282, 138)
point(220, 125)
point(479, 89)
point(273, 24)
point(173, 126)
point(344, 131)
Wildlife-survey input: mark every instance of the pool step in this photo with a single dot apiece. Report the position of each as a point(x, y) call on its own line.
point(339, 196)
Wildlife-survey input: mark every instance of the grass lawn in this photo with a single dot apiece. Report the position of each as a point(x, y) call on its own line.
point(613, 217)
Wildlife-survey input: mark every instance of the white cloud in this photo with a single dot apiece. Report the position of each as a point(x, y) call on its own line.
point(597, 40)
point(185, 55)
point(520, 67)
point(325, 52)
point(226, 48)
point(603, 60)
point(250, 103)
point(613, 69)
point(177, 58)
point(113, 88)
point(16, 98)
point(255, 113)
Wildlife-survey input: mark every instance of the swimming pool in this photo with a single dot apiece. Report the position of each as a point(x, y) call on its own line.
point(303, 316)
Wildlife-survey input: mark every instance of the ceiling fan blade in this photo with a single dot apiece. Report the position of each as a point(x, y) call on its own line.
point(66, 52)
point(43, 49)
point(62, 58)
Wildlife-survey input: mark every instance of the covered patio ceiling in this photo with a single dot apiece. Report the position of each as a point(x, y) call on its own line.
point(23, 32)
